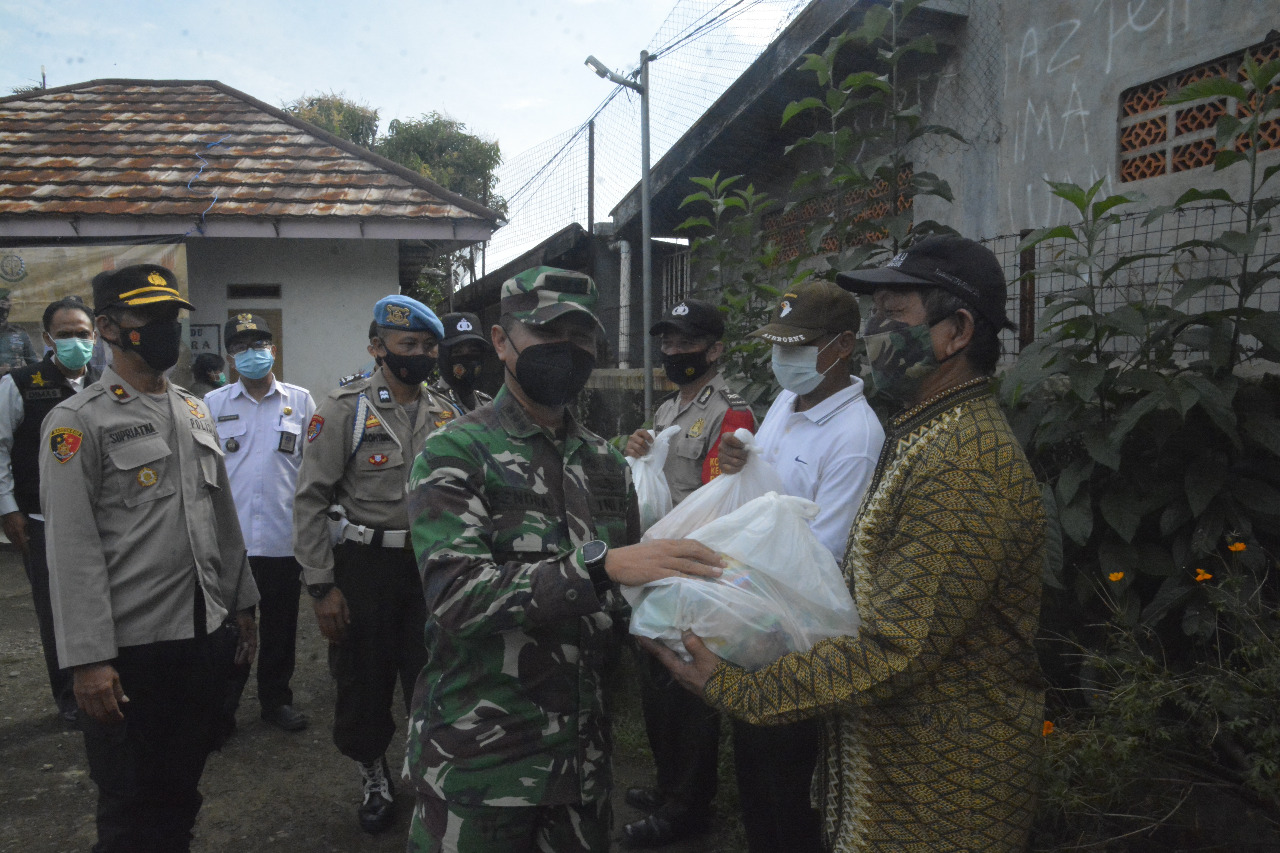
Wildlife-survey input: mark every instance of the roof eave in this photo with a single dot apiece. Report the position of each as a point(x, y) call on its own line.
point(459, 231)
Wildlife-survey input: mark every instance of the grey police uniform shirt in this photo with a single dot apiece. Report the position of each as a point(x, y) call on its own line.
point(367, 480)
point(700, 420)
point(446, 391)
point(138, 511)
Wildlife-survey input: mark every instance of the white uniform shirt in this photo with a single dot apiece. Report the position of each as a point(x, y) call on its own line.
point(262, 444)
point(827, 454)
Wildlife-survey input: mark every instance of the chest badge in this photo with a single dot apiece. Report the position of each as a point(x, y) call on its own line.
point(698, 426)
point(288, 410)
point(379, 459)
point(38, 380)
point(147, 477)
point(371, 421)
point(232, 445)
point(64, 442)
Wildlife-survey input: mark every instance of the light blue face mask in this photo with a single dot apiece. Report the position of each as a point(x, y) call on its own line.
point(254, 363)
point(73, 353)
point(796, 368)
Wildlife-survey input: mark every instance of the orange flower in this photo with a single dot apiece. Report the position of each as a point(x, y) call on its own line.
point(1048, 728)
point(1115, 576)
point(1236, 547)
point(1202, 576)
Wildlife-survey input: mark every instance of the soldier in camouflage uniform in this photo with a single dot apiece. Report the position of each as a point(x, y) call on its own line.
point(360, 445)
point(684, 734)
point(523, 520)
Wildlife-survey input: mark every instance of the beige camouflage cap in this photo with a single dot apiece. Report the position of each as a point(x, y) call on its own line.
point(540, 295)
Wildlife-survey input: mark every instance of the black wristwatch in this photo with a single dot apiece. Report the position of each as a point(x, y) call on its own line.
point(318, 590)
point(593, 557)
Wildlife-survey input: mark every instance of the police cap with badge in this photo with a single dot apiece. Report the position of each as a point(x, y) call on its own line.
point(406, 314)
point(245, 327)
point(693, 317)
point(460, 327)
point(137, 286)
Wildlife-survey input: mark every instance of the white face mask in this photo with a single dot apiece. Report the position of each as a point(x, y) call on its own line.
point(796, 368)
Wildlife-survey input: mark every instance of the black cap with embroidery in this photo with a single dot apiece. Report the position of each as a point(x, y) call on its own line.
point(461, 326)
point(136, 286)
point(692, 317)
point(245, 325)
point(964, 268)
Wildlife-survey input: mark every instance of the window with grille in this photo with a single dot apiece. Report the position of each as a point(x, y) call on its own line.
point(1160, 140)
point(789, 230)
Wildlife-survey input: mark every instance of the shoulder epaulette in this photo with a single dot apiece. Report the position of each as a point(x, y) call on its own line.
point(705, 395)
point(734, 401)
point(347, 380)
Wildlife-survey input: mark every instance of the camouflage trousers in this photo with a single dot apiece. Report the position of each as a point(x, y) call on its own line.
point(441, 827)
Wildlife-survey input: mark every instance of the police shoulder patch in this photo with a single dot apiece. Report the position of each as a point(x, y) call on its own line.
point(313, 428)
point(64, 442)
point(734, 401)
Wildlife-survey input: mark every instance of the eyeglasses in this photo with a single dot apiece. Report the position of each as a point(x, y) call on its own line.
point(237, 348)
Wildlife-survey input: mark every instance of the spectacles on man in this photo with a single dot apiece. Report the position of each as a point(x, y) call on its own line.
point(237, 348)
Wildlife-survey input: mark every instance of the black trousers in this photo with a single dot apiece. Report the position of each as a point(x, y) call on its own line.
point(684, 736)
point(148, 767)
point(774, 766)
point(384, 644)
point(279, 585)
point(36, 564)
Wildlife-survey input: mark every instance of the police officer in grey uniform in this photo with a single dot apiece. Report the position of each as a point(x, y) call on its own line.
point(360, 446)
point(146, 564)
point(462, 355)
point(684, 733)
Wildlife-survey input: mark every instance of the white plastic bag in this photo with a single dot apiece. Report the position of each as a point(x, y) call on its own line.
point(782, 592)
point(652, 491)
point(721, 496)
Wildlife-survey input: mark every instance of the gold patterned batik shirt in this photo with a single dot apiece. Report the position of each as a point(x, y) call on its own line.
point(933, 713)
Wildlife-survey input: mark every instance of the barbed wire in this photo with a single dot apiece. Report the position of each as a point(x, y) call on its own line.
point(701, 48)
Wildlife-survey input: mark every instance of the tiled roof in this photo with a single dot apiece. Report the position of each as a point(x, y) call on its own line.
point(164, 151)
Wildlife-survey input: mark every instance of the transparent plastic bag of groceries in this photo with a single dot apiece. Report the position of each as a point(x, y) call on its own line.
point(721, 496)
point(652, 491)
point(782, 591)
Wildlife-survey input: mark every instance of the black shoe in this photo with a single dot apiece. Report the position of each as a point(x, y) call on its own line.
point(286, 717)
point(379, 805)
point(664, 827)
point(645, 799)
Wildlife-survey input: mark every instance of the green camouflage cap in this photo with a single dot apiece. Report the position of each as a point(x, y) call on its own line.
point(540, 295)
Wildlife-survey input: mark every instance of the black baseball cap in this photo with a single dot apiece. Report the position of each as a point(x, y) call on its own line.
point(692, 317)
point(964, 268)
point(136, 286)
point(245, 325)
point(809, 310)
point(461, 326)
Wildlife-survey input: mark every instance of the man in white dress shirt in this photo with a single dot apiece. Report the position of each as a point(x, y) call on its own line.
point(260, 423)
point(823, 438)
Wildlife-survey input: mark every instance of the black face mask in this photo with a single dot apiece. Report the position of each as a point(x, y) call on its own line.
point(685, 367)
point(157, 343)
point(553, 374)
point(460, 372)
point(410, 369)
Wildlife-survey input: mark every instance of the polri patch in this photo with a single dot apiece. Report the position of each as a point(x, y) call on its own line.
point(313, 428)
point(379, 459)
point(147, 478)
point(64, 442)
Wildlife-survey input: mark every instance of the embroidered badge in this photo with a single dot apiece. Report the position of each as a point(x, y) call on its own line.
point(134, 337)
point(147, 478)
point(194, 407)
point(379, 459)
point(464, 325)
point(38, 380)
point(384, 396)
point(232, 445)
point(786, 308)
point(698, 426)
point(397, 315)
point(120, 393)
point(680, 310)
point(157, 279)
point(64, 442)
point(313, 428)
point(371, 421)
point(705, 395)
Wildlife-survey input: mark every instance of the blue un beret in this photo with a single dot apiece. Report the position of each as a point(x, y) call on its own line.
point(410, 315)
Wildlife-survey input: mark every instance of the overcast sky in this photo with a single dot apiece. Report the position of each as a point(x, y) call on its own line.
point(511, 70)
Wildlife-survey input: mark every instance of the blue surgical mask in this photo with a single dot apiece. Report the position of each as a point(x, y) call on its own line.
point(796, 368)
point(73, 353)
point(254, 363)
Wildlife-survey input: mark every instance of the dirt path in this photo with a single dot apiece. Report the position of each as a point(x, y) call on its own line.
point(267, 790)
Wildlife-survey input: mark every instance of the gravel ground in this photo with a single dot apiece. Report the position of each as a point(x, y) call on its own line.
point(267, 790)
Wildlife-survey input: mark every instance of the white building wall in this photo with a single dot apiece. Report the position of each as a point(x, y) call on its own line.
point(327, 292)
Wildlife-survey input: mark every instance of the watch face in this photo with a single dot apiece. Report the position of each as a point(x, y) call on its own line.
point(594, 551)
